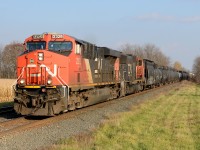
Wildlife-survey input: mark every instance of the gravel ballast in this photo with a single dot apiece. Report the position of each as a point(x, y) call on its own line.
point(41, 137)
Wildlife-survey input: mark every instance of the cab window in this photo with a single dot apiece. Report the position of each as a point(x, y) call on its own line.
point(139, 63)
point(60, 46)
point(31, 46)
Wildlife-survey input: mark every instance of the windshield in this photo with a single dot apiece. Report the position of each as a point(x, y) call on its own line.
point(31, 46)
point(57, 46)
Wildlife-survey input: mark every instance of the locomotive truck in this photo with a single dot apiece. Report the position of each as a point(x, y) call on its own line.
point(58, 73)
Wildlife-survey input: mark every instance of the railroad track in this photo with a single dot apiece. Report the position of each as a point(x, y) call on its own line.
point(11, 125)
point(26, 123)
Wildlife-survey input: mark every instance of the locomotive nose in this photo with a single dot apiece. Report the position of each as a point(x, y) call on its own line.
point(34, 72)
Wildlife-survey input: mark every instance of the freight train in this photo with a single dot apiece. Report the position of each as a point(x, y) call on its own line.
point(58, 73)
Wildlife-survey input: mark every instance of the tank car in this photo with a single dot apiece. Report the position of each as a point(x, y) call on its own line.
point(183, 75)
point(149, 73)
point(164, 72)
point(158, 76)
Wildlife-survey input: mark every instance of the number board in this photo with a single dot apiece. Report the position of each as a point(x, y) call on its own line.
point(57, 36)
point(38, 36)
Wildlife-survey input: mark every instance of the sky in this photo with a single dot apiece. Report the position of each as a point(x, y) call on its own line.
point(171, 25)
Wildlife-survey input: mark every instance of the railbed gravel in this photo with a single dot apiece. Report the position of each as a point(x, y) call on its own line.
point(41, 137)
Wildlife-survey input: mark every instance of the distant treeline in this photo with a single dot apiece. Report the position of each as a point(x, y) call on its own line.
point(147, 51)
point(8, 55)
point(151, 52)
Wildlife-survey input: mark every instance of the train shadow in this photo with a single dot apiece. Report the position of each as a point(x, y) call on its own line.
point(36, 117)
point(10, 115)
point(14, 115)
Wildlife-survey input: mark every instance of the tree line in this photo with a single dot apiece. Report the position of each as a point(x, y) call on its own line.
point(8, 57)
point(148, 51)
point(151, 52)
point(9, 53)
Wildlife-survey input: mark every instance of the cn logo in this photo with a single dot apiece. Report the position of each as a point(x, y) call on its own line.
point(53, 74)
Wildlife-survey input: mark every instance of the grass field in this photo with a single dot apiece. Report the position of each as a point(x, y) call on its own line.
point(6, 93)
point(170, 122)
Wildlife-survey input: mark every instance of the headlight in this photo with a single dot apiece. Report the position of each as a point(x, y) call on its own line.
point(40, 56)
point(22, 82)
point(49, 81)
point(44, 90)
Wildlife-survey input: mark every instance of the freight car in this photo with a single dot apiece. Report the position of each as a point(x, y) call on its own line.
point(183, 75)
point(57, 73)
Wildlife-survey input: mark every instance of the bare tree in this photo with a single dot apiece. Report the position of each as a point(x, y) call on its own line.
point(8, 59)
point(148, 51)
point(196, 69)
point(161, 59)
point(177, 65)
point(136, 50)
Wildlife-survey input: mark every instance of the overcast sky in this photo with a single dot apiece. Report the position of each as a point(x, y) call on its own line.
point(172, 25)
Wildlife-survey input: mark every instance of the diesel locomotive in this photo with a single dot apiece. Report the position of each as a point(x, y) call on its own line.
point(58, 73)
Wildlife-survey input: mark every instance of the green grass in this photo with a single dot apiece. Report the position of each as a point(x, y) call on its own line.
point(171, 122)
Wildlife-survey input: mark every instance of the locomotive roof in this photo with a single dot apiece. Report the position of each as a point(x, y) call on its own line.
point(148, 60)
point(110, 52)
point(80, 41)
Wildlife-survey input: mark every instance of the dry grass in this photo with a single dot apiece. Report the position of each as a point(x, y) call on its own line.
point(6, 91)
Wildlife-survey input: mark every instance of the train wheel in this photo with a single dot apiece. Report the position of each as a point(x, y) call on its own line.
point(79, 104)
point(72, 106)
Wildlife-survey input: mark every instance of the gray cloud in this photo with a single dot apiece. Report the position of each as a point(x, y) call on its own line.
point(190, 19)
point(167, 18)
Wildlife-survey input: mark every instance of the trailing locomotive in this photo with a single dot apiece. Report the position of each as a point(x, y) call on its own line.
point(57, 73)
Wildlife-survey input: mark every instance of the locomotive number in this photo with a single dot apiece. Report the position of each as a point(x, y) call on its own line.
point(57, 36)
point(38, 36)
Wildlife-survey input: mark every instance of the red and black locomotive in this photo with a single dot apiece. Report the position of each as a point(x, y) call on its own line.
point(57, 73)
